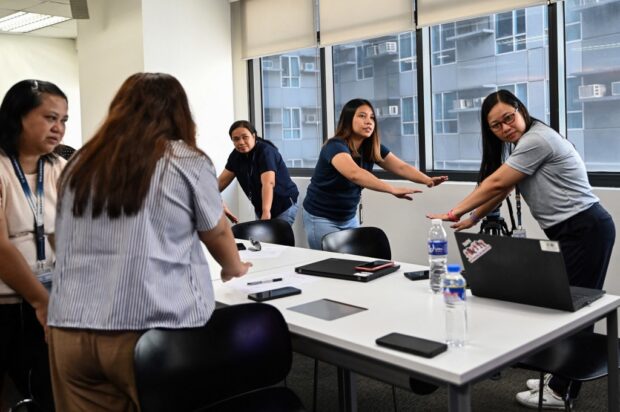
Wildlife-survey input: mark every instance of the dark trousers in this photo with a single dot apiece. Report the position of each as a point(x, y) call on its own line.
point(23, 353)
point(586, 240)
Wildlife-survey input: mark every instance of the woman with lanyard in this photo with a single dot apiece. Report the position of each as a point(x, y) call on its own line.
point(32, 123)
point(262, 174)
point(344, 168)
point(552, 179)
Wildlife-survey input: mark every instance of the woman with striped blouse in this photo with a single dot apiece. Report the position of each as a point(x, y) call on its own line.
point(134, 204)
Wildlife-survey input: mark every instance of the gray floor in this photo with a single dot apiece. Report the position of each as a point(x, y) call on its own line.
point(487, 396)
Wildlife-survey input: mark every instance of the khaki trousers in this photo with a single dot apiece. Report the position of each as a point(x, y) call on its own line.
point(93, 370)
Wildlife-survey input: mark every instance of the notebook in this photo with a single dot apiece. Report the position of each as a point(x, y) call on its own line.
point(520, 270)
point(343, 269)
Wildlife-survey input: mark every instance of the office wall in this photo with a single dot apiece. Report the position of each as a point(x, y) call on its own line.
point(55, 60)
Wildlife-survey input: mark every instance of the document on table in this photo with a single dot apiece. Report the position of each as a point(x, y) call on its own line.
point(250, 284)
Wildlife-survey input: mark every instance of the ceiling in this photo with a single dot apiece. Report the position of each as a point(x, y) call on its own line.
point(66, 29)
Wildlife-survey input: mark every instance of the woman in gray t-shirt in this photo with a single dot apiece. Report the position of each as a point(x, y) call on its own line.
point(553, 179)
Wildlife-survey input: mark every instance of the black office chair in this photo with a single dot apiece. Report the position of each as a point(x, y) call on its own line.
point(230, 364)
point(271, 231)
point(365, 241)
point(581, 358)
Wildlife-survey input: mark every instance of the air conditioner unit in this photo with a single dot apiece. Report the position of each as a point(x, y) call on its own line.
point(615, 88)
point(309, 67)
point(267, 64)
point(387, 47)
point(591, 90)
point(311, 118)
point(393, 110)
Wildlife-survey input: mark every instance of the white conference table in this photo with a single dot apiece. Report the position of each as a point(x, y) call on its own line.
point(500, 333)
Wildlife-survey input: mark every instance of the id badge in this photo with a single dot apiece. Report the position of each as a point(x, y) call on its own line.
point(44, 274)
point(519, 233)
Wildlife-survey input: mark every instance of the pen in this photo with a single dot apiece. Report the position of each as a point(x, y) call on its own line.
point(260, 282)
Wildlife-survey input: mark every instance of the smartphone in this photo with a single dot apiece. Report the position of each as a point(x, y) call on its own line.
point(274, 294)
point(411, 344)
point(374, 265)
point(240, 246)
point(417, 275)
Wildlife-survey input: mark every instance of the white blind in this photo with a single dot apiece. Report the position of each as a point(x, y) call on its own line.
point(343, 21)
point(431, 12)
point(276, 26)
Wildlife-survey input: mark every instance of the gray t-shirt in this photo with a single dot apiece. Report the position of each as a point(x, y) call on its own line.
point(557, 186)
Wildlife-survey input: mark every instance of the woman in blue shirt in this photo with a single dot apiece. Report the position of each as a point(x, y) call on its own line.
point(261, 173)
point(344, 168)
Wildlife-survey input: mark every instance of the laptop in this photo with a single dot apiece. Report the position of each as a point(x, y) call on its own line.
point(528, 271)
point(343, 269)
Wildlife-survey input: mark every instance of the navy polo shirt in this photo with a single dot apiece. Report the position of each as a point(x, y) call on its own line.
point(248, 167)
point(330, 194)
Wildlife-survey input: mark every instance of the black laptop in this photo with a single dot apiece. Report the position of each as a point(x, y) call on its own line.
point(528, 271)
point(343, 269)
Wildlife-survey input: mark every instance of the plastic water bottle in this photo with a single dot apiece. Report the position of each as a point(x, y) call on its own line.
point(454, 296)
point(437, 254)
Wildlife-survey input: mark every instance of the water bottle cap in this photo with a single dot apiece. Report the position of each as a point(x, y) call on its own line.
point(436, 221)
point(454, 268)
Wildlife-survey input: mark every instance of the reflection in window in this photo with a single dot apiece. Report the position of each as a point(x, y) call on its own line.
point(290, 71)
point(510, 31)
point(291, 123)
point(443, 45)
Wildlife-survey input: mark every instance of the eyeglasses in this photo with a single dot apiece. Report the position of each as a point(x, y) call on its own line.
point(508, 119)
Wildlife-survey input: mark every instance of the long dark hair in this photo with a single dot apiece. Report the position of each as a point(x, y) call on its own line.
point(370, 150)
point(116, 166)
point(247, 125)
point(21, 99)
point(493, 149)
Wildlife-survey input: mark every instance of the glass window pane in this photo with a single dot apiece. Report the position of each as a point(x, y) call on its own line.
point(593, 81)
point(487, 60)
point(377, 74)
point(291, 105)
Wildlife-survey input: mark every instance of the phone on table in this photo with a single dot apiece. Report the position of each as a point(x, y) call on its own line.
point(274, 294)
point(417, 275)
point(411, 344)
point(240, 246)
point(374, 265)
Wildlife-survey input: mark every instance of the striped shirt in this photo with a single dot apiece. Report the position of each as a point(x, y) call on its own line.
point(142, 271)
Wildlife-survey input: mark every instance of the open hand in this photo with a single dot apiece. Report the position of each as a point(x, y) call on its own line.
point(463, 224)
point(404, 192)
point(239, 271)
point(436, 181)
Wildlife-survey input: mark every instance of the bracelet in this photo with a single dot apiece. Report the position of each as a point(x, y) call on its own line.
point(474, 217)
point(452, 217)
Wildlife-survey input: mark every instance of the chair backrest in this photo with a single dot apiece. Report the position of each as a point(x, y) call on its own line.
point(365, 241)
point(240, 349)
point(271, 231)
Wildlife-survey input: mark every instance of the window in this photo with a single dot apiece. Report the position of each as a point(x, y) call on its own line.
point(518, 89)
point(285, 105)
point(295, 163)
point(593, 82)
point(510, 31)
point(290, 71)
point(406, 51)
point(291, 123)
point(443, 113)
point(409, 119)
point(365, 69)
point(443, 46)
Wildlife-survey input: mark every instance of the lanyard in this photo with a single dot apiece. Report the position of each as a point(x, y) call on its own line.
point(37, 209)
point(518, 203)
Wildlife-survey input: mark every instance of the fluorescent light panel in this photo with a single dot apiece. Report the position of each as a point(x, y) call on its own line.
point(22, 22)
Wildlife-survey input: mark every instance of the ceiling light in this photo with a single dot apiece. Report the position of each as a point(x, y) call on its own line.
point(22, 22)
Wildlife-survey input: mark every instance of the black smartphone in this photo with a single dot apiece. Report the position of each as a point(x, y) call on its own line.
point(412, 344)
point(274, 294)
point(374, 265)
point(417, 275)
point(240, 246)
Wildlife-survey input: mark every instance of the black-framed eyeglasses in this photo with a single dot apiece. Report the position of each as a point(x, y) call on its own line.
point(256, 246)
point(507, 119)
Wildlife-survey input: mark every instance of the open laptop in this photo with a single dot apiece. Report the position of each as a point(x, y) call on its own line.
point(528, 271)
point(343, 269)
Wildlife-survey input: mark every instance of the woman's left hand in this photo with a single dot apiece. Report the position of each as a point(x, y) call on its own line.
point(442, 216)
point(436, 181)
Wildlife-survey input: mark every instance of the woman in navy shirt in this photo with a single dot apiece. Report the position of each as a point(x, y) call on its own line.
point(262, 174)
point(344, 168)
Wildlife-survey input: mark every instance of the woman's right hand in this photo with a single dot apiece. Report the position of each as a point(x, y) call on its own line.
point(236, 272)
point(230, 215)
point(404, 192)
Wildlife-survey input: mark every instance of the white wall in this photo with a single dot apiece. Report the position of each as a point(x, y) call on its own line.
point(55, 60)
